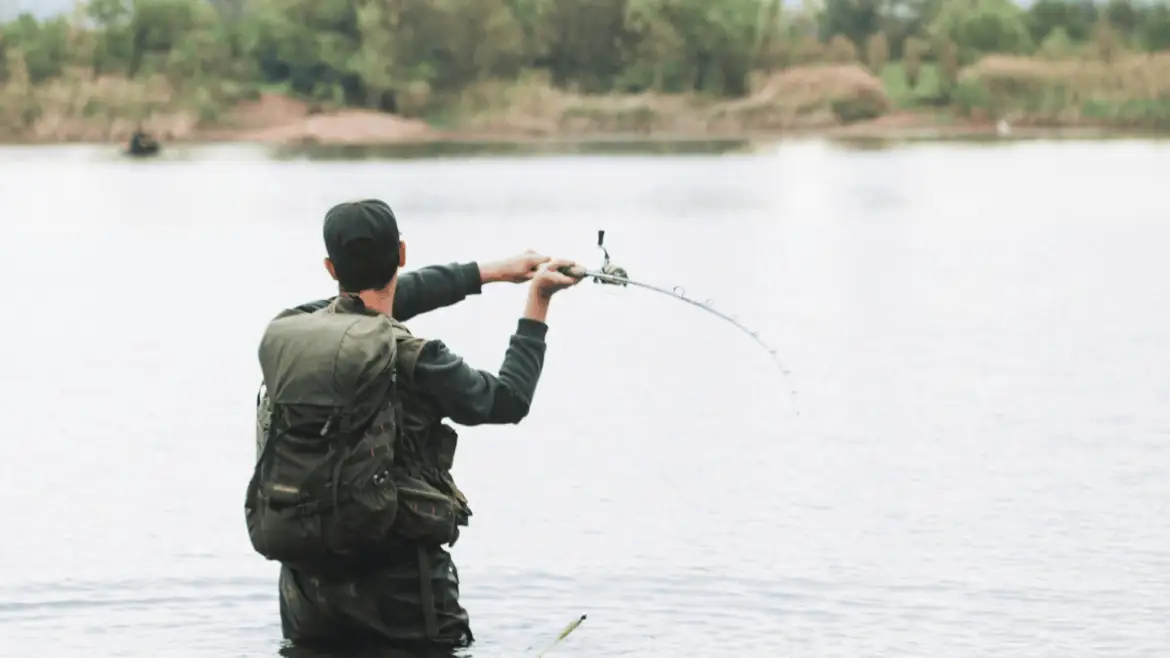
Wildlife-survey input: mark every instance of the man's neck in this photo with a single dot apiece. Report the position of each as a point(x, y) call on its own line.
point(381, 301)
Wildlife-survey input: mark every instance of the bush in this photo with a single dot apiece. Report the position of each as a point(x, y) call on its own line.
point(809, 96)
point(842, 50)
point(862, 108)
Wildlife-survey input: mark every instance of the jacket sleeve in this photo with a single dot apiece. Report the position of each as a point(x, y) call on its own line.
point(469, 396)
point(433, 287)
point(426, 289)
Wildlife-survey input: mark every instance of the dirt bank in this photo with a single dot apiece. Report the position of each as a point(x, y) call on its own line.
point(275, 119)
point(802, 99)
point(346, 127)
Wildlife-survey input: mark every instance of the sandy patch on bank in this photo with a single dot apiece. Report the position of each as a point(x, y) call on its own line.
point(268, 111)
point(276, 119)
point(345, 127)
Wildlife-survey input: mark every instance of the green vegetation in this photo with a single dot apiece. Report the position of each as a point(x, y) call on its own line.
point(581, 66)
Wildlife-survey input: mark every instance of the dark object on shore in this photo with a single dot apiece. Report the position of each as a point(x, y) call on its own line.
point(142, 145)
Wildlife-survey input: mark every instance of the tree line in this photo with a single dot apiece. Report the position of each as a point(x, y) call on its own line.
point(406, 55)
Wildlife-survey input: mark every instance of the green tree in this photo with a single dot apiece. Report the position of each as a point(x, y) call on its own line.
point(1153, 31)
point(1106, 42)
point(1076, 18)
point(947, 52)
point(696, 45)
point(854, 19)
point(1057, 45)
point(1122, 16)
point(19, 108)
point(977, 27)
point(877, 53)
point(904, 19)
point(913, 50)
point(44, 46)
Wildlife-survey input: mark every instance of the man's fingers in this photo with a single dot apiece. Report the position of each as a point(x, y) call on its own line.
point(559, 271)
point(533, 256)
point(562, 280)
point(570, 271)
point(566, 272)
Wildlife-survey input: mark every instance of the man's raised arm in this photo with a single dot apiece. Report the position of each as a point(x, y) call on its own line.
point(438, 286)
point(434, 287)
point(469, 396)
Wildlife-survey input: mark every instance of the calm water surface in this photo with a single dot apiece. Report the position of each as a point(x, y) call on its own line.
point(978, 336)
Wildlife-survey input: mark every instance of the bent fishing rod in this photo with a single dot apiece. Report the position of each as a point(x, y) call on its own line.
point(616, 275)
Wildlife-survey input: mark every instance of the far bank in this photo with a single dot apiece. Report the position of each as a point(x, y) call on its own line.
point(998, 96)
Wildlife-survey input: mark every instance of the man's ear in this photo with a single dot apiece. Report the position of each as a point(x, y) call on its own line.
point(401, 253)
point(329, 268)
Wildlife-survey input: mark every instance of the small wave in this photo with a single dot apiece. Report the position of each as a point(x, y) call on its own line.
point(32, 601)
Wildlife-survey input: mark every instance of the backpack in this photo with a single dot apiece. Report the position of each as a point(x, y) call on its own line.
point(323, 489)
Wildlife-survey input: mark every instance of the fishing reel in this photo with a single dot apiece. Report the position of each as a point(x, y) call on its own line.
point(608, 268)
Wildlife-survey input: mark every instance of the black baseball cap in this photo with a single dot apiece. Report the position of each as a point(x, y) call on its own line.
point(361, 238)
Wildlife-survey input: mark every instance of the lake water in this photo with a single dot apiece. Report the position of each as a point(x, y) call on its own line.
point(976, 464)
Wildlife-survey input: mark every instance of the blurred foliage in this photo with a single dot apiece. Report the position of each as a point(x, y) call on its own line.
point(413, 57)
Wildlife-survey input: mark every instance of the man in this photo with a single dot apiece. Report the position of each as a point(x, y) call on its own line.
point(408, 595)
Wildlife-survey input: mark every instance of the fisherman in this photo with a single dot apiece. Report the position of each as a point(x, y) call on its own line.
point(402, 589)
point(142, 144)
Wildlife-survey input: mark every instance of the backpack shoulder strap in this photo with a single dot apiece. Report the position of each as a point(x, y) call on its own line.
point(263, 420)
point(409, 348)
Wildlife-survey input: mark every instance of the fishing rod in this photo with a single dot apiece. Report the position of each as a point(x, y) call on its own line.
point(616, 275)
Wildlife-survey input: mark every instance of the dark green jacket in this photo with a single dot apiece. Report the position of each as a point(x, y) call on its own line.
point(436, 384)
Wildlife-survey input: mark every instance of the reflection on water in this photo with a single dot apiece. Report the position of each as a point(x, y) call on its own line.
point(643, 147)
point(182, 152)
point(290, 650)
point(458, 149)
point(978, 337)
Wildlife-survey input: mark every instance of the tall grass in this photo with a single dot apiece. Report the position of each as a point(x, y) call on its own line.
point(1130, 91)
point(78, 106)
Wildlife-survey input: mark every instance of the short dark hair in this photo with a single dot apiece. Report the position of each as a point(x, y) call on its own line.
point(361, 238)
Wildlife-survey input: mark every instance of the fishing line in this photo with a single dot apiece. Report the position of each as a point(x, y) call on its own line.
point(616, 275)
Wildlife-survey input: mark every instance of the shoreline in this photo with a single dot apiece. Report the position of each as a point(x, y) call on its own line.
point(284, 123)
point(870, 131)
point(840, 102)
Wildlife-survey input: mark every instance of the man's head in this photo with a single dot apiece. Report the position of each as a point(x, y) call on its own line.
point(364, 246)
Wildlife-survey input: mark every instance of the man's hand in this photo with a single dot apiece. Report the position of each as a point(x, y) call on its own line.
point(550, 277)
point(548, 280)
point(517, 269)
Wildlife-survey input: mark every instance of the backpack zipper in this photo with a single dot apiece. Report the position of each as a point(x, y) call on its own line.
point(329, 421)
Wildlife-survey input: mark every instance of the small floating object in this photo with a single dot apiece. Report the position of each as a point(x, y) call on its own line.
point(142, 145)
point(564, 634)
point(1003, 128)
